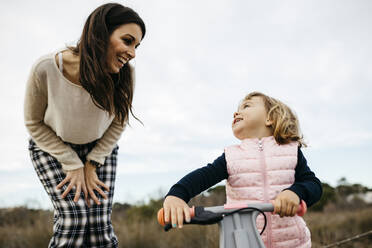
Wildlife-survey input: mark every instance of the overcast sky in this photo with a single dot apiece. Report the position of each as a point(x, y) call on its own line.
point(197, 61)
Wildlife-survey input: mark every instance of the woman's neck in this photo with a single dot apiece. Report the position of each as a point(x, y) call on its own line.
point(71, 65)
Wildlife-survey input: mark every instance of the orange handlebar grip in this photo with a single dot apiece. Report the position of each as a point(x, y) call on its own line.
point(161, 215)
point(302, 208)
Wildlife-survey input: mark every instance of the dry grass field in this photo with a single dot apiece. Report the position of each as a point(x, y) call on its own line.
point(136, 226)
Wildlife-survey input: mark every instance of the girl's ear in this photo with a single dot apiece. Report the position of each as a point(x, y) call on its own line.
point(268, 122)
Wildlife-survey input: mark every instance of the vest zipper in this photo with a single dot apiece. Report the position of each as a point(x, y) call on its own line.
point(266, 197)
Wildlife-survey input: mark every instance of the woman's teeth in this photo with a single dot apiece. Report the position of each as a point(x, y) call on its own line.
point(122, 60)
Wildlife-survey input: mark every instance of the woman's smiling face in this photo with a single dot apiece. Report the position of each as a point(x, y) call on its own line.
point(122, 46)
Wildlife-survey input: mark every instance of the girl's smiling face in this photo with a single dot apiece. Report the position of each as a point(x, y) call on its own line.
point(122, 46)
point(251, 119)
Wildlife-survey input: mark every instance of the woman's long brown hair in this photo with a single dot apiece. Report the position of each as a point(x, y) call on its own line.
point(110, 92)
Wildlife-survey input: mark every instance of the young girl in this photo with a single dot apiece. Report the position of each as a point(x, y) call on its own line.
point(77, 104)
point(267, 165)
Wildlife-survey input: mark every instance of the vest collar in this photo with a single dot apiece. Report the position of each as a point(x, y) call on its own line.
point(253, 142)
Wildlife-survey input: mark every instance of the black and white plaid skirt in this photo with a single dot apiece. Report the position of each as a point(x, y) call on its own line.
point(76, 225)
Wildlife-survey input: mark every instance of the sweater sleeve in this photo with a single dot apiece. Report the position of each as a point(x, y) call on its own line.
point(307, 186)
point(106, 144)
point(200, 179)
point(35, 104)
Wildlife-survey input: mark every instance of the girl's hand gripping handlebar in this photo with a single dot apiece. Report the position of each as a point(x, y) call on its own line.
point(211, 215)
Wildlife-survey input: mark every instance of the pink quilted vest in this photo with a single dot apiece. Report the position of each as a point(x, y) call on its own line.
point(258, 171)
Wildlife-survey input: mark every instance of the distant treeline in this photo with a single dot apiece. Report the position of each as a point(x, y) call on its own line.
point(333, 197)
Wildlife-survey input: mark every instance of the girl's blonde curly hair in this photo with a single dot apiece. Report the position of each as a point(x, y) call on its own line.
point(285, 124)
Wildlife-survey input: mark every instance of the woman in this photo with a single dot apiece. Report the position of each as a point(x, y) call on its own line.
point(77, 104)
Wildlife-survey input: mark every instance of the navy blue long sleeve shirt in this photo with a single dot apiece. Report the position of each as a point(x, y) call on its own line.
point(307, 186)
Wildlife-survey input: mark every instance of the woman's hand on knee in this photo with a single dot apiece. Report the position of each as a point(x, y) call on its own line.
point(93, 183)
point(74, 178)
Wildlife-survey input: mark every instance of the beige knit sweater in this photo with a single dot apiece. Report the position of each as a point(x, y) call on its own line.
point(57, 111)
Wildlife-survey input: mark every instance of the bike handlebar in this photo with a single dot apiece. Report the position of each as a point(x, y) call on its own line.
point(211, 215)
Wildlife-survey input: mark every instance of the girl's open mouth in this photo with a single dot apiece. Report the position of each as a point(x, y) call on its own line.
point(236, 120)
